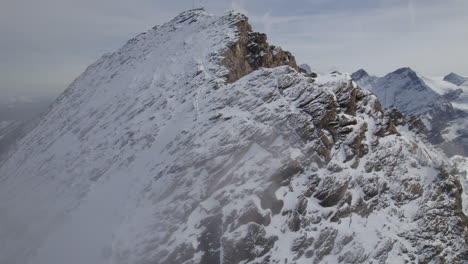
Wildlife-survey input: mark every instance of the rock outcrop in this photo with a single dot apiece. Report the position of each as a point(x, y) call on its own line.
point(251, 51)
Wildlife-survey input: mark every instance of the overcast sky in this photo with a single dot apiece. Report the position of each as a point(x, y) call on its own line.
point(45, 44)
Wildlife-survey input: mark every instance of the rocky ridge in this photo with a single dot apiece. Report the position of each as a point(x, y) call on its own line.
point(198, 142)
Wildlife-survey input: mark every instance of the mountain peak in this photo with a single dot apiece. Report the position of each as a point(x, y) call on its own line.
point(414, 82)
point(404, 70)
point(190, 15)
point(455, 78)
point(398, 89)
point(359, 74)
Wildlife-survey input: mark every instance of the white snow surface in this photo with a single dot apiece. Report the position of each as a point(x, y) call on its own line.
point(150, 140)
point(104, 140)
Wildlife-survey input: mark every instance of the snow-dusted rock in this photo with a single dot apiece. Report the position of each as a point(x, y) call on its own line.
point(166, 152)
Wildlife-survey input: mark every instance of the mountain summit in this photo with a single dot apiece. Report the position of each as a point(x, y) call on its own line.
point(198, 142)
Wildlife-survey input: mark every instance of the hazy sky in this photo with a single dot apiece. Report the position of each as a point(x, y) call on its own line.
point(45, 44)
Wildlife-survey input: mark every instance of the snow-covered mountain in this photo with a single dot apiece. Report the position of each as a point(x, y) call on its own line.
point(198, 142)
point(400, 89)
point(442, 105)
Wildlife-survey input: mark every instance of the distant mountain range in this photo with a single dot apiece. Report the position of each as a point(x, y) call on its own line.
point(441, 103)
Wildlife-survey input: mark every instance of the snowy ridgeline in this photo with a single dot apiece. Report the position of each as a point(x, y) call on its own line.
point(150, 156)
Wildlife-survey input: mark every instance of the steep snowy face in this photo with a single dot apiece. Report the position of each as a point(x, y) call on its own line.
point(112, 125)
point(399, 89)
point(184, 146)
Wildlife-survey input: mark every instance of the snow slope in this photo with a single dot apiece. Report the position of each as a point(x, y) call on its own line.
point(152, 156)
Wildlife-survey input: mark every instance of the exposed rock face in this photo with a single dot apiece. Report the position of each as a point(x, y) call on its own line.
point(252, 51)
point(171, 160)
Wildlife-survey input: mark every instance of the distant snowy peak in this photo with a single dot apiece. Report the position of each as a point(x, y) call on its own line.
point(365, 80)
point(456, 79)
point(408, 79)
point(399, 89)
point(359, 74)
